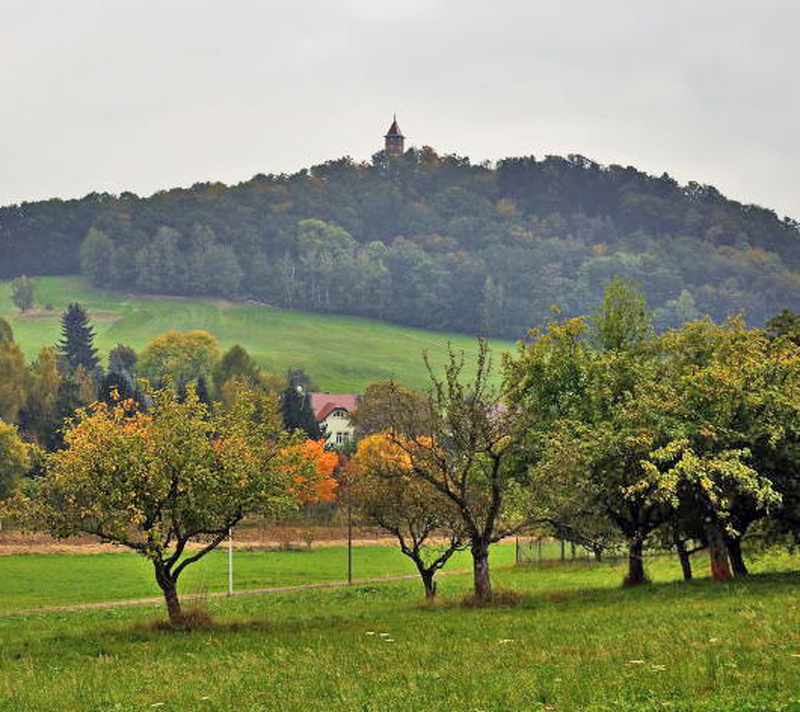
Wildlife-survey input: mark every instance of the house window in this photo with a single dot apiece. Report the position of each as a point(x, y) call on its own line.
point(342, 438)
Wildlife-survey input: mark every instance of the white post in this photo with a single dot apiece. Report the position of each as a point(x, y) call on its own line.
point(230, 561)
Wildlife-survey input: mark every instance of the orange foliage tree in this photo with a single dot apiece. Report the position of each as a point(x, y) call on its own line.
point(321, 487)
point(426, 523)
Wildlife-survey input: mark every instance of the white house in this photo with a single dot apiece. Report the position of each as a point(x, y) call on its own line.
point(332, 413)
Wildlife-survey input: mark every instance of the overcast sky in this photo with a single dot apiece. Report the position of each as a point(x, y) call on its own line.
point(107, 95)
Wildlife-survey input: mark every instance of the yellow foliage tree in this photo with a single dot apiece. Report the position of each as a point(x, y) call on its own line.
point(157, 481)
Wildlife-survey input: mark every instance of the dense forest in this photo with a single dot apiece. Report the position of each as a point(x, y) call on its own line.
point(426, 240)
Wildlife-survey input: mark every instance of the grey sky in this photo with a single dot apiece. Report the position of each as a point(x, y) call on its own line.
point(111, 96)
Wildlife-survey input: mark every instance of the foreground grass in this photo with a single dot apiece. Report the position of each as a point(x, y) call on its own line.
point(39, 580)
point(340, 353)
point(577, 642)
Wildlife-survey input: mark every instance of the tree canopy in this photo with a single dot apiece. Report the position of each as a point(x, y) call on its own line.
point(427, 240)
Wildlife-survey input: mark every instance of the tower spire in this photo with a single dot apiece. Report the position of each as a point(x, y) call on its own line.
point(394, 139)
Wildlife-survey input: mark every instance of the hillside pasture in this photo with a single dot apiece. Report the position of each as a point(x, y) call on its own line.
point(339, 353)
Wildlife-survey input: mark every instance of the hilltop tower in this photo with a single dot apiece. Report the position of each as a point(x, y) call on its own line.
point(394, 140)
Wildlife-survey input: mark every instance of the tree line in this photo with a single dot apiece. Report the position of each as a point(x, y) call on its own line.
point(427, 240)
point(603, 432)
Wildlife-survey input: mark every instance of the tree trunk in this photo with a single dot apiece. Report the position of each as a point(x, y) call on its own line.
point(598, 553)
point(429, 583)
point(169, 586)
point(718, 552)
point(686, 562)
point(635, 564)
point(480, 568)
point(735, 553)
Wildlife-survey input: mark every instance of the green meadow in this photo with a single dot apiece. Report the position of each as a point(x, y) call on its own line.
point(340, 353)
point(575, 641)
point(38, 580)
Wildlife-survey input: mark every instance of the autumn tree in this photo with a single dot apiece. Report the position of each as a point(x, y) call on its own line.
point(324, 463)
point(157, 481)
point(386, 491)
point(466, 455)
point(183, 357)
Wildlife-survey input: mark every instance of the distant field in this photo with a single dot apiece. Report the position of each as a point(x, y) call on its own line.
point(340, 353)
point(577, 642)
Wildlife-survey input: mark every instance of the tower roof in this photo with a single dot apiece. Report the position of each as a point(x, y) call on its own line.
point(394, 130)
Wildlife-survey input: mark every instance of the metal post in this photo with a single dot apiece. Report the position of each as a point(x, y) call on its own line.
point(516, 551)
point(349, 536)
point(230, 561)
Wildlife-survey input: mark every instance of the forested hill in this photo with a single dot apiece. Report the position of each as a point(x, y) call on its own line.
point(426, 240)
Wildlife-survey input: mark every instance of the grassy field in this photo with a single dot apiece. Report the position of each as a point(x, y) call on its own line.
point(37, 580)
point(577, 641)
point(340, 353)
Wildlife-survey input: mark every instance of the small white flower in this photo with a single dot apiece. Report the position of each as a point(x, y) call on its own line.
point(383, 635)
point(388, 640)
point(157, 704)
point(370, 632)
point(713, 640)
point(506, 640)
point(636, 662)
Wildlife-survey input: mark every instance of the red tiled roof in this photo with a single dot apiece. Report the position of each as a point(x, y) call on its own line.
point(323, 403)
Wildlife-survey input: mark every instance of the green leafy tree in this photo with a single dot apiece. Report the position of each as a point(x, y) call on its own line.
point(786, 323)
point(23, 293)
point(236, 362)
point(122, 359)
point(465, 455)
point(158, 481)
point(15, 459)
point(13, 375)
point(374, 412)
point(77, 340)
point(98, 258)
point(738, 400)
point(41, 417)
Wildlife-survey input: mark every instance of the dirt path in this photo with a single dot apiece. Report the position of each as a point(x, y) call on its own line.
point(218, 594)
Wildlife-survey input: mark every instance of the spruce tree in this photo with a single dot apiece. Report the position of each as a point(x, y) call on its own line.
point(77, 340)
point(296, 406)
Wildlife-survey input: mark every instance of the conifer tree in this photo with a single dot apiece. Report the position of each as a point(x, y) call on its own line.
point(296, 406)
point(77, 340)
